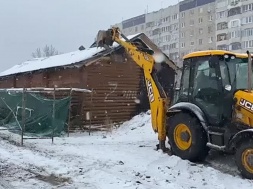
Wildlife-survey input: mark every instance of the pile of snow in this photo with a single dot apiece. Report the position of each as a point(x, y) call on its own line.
point(57, 60)
point(123, 158)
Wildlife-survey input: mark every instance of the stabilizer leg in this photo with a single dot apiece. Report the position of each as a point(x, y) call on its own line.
point(162, 146)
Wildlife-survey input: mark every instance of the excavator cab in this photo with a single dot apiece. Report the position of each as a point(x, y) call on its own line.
point(210, 80)
point(210, 111)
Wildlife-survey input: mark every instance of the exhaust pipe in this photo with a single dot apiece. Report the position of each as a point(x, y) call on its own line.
point(249, 72)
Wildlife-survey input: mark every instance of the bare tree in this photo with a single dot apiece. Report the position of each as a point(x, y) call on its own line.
point(47, 51)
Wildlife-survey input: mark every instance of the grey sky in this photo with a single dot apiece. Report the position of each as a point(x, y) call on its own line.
point(66, 24)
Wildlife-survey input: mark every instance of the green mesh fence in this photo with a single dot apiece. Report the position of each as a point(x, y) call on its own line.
point(38, 120)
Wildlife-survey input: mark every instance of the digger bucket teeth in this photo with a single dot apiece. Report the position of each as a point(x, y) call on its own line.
point(104, 38)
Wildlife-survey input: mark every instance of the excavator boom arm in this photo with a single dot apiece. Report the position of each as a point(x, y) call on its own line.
point(157, 97)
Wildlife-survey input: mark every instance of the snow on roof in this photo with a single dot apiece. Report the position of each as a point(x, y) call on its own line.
point(55, 61)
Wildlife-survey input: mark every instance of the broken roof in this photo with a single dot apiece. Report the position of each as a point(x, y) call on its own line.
point(65, 59)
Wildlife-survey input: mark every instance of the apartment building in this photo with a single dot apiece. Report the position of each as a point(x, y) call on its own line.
point(197, 26)
point(178, 29)
point(234, 25)
point(247, 25)
point(163, 29)
point(133, 25)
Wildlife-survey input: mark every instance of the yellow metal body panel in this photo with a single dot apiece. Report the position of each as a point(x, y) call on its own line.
point(244, 108)
point(213, 52)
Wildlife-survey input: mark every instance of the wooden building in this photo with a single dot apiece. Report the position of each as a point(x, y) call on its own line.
point(115, 80)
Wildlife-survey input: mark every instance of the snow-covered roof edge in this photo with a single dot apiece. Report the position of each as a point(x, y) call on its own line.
point(57, 60)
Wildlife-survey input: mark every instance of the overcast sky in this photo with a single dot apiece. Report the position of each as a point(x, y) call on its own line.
point(66, 24)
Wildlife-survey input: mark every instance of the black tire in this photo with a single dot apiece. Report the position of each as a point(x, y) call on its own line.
point(198, 150)
point(242, 147)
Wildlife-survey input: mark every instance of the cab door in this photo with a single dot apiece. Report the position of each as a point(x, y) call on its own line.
point(207, 88)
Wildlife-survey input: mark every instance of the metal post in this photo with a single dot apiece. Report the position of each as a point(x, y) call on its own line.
point(249, 72)
point(91, 98)
point(53, 117)
point(23, 116)
point(70, 94)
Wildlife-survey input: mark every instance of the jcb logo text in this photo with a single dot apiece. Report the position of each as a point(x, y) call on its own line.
point(150, 91)
point(248, 105)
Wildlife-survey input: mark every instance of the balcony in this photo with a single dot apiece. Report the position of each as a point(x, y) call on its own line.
point(222, 25)
point(222, 37)
point(234, 11)
point(235, 46)
point(156, 31)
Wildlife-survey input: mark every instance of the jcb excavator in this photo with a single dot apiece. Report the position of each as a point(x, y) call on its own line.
point(214, 109)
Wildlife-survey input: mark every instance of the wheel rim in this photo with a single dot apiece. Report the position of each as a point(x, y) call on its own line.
point(182, 137)
point(247, 160)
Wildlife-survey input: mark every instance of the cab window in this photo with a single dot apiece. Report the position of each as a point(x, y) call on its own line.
point(184, 88)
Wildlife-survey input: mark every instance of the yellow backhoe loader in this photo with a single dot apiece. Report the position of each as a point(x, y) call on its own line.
point(214, 109)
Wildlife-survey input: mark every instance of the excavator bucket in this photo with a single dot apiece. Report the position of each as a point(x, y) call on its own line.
point(104, 38)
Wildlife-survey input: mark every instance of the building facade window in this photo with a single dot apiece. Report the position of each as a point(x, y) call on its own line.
point(173, 46)
point(221, 14)
point(247, 44)
point(200, 41)
point(165, 47)
point(247, 32)
point(234, 23)
point(175, 17)
point(246, 8)
point(149, 24)
point(234, 34)
point(156, 31)
point(200, 30)
point(234, 2)
point(222, 25)
point(200, 20)
point(247, 20)
point(182, 35)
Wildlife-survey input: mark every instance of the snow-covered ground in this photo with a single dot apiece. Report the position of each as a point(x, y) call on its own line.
point(123, 158)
